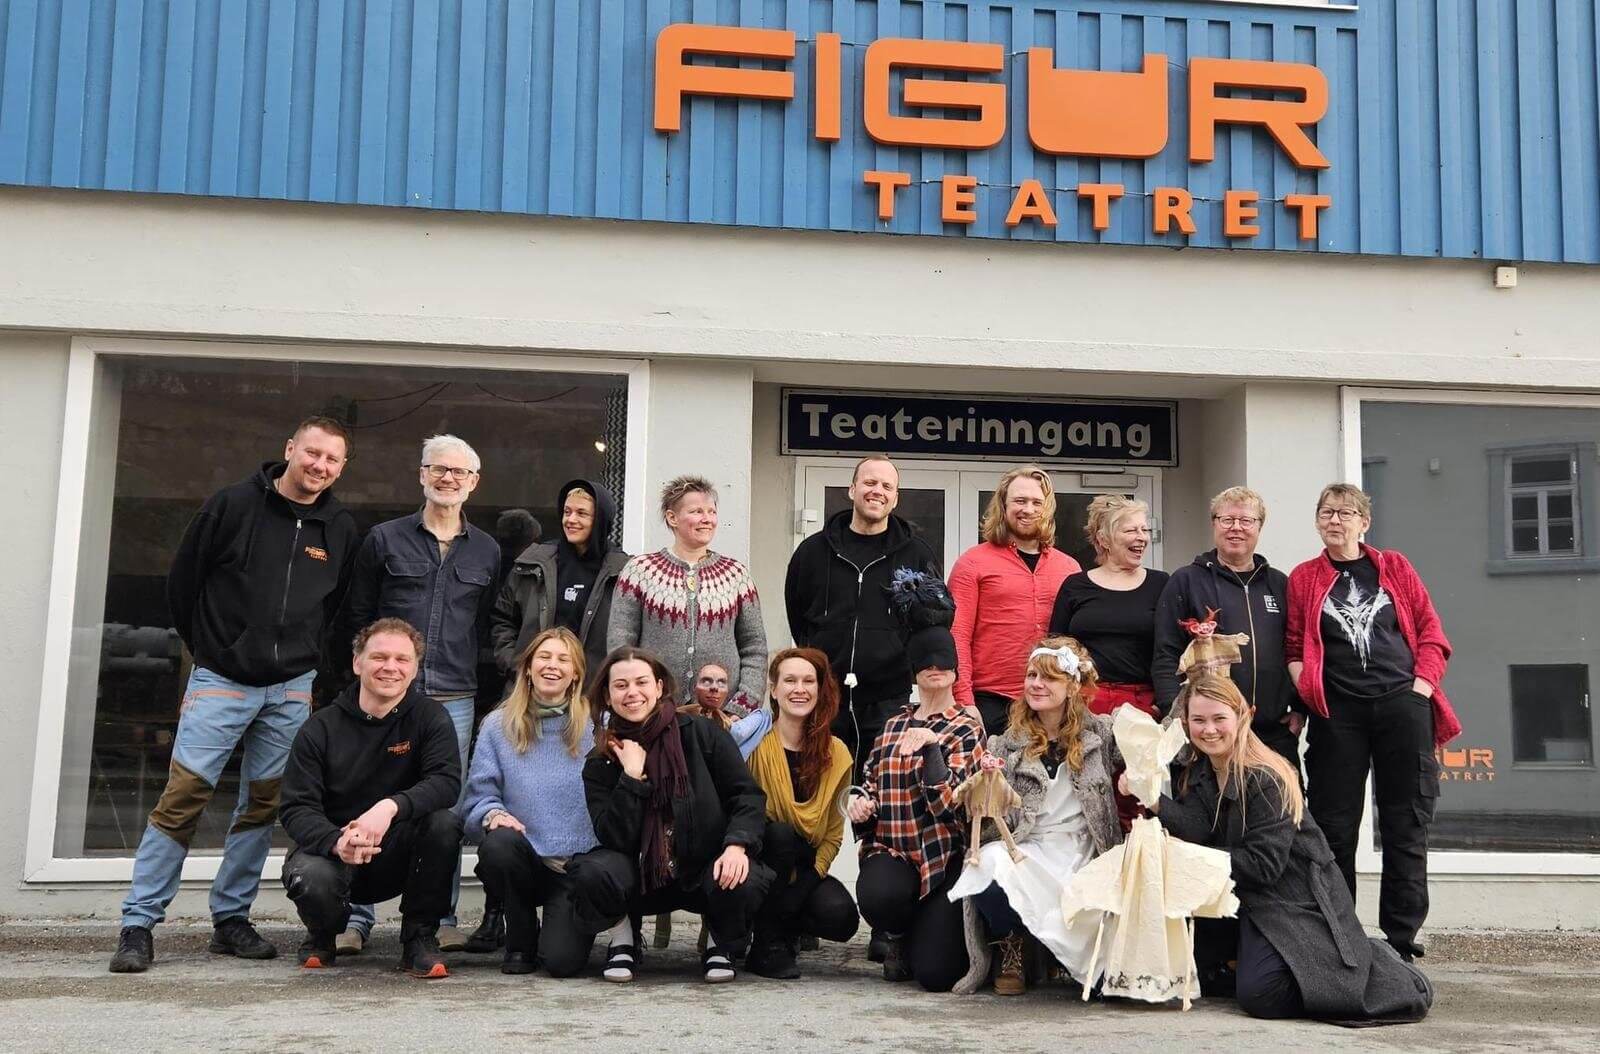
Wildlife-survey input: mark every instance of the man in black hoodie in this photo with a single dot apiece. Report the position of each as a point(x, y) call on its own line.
point(368, 798)
point(568, 582)
point(837, 601)
point(1252, 598)
point(257, 578)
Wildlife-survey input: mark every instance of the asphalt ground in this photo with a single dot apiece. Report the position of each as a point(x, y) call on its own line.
point(1523, 991)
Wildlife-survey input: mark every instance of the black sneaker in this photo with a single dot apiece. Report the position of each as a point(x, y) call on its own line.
point(718, 966)
point(877, 945)
point(237, 937)
point(774, 959)
point(136, 950)
point(318, 953)
point(894, 961)
point(620, 962)
point(519, 963)
point(491, 932)
point(420, 957)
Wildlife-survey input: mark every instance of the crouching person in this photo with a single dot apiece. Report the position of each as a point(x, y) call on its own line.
point(804, 769)
point(677, 813)
point(368, 799)
point(525, 801)
point(1300, 949)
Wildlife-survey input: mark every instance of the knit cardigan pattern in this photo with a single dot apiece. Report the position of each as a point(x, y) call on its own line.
point(542, 788)
point(718, 621)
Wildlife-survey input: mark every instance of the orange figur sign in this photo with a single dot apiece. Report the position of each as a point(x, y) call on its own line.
point(1092, 113)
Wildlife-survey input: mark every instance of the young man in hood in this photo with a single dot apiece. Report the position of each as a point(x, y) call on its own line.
point(1251, 597)
point(256, 579)
point(369, 799)
point(436, 571)
point(568, 582)
point(837, 601)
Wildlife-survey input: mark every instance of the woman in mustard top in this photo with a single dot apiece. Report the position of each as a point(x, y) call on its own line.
point(804, 770)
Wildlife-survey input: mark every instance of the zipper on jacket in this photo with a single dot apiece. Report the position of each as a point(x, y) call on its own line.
point(850, 678)
point(288, 580)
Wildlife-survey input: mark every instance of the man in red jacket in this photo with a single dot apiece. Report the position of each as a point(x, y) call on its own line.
point(1005, 588)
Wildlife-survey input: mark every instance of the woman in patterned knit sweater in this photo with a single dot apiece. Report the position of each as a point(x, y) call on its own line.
point(691, 606)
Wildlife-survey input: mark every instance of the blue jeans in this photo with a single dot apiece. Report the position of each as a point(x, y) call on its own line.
point(218, 715)
point(363, 916)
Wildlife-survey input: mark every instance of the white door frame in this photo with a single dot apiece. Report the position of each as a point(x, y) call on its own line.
point(969, 478)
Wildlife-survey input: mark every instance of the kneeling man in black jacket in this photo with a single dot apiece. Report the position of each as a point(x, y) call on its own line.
point(368, 799)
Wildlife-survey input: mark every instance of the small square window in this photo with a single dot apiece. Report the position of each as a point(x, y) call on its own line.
point(1550, 715)
point(1541, 504)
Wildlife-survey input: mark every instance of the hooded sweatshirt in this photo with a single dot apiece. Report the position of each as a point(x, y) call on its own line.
point(256, 579)
point(344, 761)
point(842, 608)
point(1256, 603)
point(536, 591)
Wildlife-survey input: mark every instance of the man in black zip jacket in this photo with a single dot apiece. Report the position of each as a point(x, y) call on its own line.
point(255, 582)
point(837, 601)
point(1251, 597)
point(368, 799)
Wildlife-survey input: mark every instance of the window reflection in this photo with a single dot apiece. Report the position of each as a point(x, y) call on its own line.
point(168, 433)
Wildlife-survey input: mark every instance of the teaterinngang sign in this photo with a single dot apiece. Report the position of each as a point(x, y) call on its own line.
point(1051, 431)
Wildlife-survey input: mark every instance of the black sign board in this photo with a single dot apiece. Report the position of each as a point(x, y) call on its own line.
point(1056, 431)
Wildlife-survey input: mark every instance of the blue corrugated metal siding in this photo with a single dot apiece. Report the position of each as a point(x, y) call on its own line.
point(1455, 128)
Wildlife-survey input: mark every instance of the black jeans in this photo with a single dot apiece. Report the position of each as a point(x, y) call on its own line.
point(1393, 737)
point(999, 917)
point(802, 902)
point(514, 875)
point(932, 928)
point(993, 709)
point(418, 862)
point(859, 724)
point(1266, 986)
point(607, 889)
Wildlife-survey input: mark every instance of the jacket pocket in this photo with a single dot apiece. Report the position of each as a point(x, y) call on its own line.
point(406, 582)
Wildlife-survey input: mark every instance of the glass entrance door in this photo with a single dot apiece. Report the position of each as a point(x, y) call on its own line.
point(946, 500)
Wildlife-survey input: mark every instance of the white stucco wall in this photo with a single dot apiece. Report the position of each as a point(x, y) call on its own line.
point(1255, 344)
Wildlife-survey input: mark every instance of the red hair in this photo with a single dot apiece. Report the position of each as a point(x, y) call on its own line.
point(816, 743)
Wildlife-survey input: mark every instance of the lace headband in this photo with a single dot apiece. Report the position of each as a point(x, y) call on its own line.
point(1067, 660)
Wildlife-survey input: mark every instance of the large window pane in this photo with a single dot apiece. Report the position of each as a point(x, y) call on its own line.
point(1521, 776)
point(168, 433)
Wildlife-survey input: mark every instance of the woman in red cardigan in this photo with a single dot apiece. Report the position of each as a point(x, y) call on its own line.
point(1367, 652)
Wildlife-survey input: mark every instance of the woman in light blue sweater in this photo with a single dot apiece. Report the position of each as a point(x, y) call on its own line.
point(524, 803)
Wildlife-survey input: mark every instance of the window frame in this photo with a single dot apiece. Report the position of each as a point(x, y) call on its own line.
point(1511, 695)
point(1459, 861)
point(1584, 455)
point(85, 381)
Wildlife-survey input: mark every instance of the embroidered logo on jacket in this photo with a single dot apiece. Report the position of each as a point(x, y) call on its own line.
point(1270, 602)
point(317, 554)
point(399, 749)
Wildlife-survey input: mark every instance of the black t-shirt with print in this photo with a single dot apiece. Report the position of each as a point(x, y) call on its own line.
point(1364, 654)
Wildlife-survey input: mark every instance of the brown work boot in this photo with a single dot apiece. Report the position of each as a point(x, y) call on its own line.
point(1010, 979)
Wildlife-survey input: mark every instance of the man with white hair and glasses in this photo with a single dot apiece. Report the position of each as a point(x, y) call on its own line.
point(438, 572)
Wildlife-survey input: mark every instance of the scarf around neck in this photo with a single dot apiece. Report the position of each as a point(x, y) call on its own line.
point(668, 773)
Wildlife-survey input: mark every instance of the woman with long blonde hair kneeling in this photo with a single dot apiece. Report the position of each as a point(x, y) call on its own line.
point(1301, 951)
point(1059, 758)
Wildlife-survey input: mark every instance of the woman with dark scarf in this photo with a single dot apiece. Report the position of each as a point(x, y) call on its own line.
point(678, 815)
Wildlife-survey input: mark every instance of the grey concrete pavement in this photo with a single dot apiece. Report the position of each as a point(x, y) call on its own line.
point(1519, 991)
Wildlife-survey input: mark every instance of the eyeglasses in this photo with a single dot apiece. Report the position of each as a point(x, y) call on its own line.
point(1237, 521)
point(441, 471)
point(1342, 515)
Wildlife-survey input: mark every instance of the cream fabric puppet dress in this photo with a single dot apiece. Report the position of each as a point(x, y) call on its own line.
point(1145, 892)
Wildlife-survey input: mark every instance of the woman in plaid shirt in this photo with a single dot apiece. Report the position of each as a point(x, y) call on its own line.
point(911, 831)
